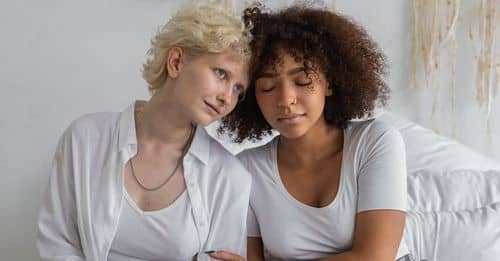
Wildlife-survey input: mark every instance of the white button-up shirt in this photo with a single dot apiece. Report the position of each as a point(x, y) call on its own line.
point(79, 216)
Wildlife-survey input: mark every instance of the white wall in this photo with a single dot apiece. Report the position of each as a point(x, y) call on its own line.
point(61, 59)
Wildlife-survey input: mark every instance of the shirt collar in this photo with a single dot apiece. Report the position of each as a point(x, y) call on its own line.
point(126, 133)
point(200, 146)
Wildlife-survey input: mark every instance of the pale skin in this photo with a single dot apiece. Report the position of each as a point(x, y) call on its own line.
point(309, 158)
point(198, 90)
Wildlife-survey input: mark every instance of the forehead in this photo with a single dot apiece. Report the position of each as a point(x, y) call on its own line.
point(229, 60)
point(280, 62)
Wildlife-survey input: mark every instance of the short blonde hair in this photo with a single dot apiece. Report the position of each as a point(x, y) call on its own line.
point(199, 28)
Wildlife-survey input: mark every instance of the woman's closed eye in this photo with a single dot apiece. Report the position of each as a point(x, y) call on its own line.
point(267, 88)
point(303, 80)
point(299, 83)
point(303, 83)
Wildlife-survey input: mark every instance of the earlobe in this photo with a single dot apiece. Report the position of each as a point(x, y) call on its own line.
point(173, 64)
point(329, 91)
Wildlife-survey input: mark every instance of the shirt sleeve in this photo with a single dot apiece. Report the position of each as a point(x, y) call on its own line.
point(382, 172)
point(253, 229)
point(252, 224)
point(228, 217)
point(58, 237)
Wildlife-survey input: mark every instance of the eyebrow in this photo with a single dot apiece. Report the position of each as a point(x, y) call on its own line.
point(272, 75)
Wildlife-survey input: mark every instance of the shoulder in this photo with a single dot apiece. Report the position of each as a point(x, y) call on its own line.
point(374, 132)
point(226, 165)
point(260, 162)
point(258, 154)
point(94, 123)
point(91, 127)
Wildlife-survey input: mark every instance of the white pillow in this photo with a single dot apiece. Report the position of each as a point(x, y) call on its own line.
point(452, 190)
point(454, 215)
point(466, 235)
point(427, 150)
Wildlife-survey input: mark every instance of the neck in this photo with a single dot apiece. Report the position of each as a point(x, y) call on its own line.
point(318, 144)
point(162, 122)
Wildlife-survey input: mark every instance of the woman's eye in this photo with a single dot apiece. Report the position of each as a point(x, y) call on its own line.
point(240, 91)
point(241, 96)
point(303, 83)
point(267, 89)
point(220, 73)
point(303, 80)
point(237, 88)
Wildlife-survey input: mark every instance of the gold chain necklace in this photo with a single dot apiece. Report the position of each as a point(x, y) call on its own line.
point(186, 148)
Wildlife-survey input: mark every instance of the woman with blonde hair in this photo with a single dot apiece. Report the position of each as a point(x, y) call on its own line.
point(148, 183)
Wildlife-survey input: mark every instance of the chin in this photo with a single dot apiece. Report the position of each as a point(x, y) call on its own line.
point(203, 120)
point(292, 133)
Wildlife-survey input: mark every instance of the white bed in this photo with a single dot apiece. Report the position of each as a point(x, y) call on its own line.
point(453, 196)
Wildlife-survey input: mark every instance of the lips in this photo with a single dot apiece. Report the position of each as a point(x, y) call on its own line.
point(290, 117)
point(212, 108)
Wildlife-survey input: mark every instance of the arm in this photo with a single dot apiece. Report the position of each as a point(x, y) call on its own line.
point(58, 237)
point(382, 197)
point(376, 237)
point(255, 250)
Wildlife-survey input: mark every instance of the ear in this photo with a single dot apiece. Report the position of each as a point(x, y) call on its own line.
point(329, 90)
point(173, 64)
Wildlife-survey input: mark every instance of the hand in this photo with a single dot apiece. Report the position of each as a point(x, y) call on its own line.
point(226, 256)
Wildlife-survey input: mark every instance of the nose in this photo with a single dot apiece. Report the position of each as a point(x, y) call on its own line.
point(224, 96)
point(287, 96)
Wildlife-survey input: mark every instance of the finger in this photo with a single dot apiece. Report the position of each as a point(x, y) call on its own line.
point(226, 256)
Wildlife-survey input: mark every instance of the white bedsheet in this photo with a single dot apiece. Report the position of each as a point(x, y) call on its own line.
point(453, 197)
point(427, 150)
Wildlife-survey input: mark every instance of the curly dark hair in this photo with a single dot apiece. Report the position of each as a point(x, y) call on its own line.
point(342, 50)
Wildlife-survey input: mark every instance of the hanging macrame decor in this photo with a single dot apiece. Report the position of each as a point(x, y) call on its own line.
point(434, 37)
point(483, 34)
point(434, 47)
point(329, 4)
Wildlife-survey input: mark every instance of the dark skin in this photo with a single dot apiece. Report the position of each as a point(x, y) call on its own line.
point(347, 82)
point(310, 161)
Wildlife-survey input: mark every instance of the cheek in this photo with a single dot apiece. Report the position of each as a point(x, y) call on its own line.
point(230, 108)
point(265, 103)
point(317, 104)
point(200, 82)
point(268, 107)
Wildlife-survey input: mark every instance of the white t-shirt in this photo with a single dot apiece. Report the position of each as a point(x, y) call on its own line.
point(373, 176)
point(155, 235)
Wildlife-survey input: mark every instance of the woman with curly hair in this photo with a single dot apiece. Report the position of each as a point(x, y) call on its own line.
point(326, 187)
point(149, 183)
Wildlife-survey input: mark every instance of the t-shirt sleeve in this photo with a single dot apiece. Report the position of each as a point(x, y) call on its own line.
point(382, 172)
point(252, 224)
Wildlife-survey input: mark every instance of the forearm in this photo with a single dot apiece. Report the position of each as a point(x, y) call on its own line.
point(355, 256)
point(344, 256)
point(255, 249)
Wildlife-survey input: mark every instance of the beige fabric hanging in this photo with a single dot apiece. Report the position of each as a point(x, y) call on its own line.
point(484, 34)
point(434, 40)
point(434, 33)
